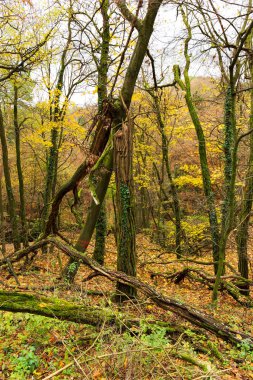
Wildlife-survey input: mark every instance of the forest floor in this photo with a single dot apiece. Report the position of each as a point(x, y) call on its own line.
point(163, 347)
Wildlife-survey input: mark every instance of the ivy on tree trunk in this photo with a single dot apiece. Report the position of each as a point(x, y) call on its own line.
point(126, 259)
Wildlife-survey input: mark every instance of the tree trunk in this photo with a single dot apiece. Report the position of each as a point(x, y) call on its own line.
point(2, 221)
point(230, 152)
point(19, 168)
point(207, 186)
point(176, 204)
point(126, 259)
point(87, 231)
point(101, 229)
point(244, 215)
point(206, 321)
point(118, 110)
point(108, 123)
point(99, 251)
point(9, 190)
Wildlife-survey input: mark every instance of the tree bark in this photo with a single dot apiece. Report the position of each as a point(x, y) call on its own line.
point(55, 308)
point(19, 168)
point(126, 235)
point(176, 204)
point(9, 189)
point(244, 215)
point(101, 225)
point(85, 236)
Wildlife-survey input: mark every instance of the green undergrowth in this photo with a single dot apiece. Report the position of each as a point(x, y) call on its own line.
point(32, 347)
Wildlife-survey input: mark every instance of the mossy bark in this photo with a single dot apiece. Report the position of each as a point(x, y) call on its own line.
point(8, 184)
point(102, 67)
point(19, 168)
point(205, 172)
point(101, 230)
point(126, 245)
point(244, 215)
point(230, 153)
point(2, 221)
point(85, 236)
point(55, 308)
point(203, 320)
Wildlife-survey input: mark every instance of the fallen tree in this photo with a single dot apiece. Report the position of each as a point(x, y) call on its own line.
point(55, 308)
point(232, 286)
point(196, 317)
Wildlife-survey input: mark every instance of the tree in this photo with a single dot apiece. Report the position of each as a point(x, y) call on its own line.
point(231, 75)
point(108, 124)
point(125, 228)
point(185, 86)
point(8, 184)
point(246, 207)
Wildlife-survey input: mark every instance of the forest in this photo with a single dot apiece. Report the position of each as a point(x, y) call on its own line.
point(126, 189)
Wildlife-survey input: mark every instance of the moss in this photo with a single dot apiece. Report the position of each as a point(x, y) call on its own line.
point(54, 308)
point(101, 229)
point(126, 246)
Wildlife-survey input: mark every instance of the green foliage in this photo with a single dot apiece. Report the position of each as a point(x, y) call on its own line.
point(154, 336)
point(243, 354)
point(35, 228)
point(25, 364)
point(72, 267)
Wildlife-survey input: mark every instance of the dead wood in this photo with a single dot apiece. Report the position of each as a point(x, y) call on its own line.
point(201, 319)
point(196, 317)
point(200, 276)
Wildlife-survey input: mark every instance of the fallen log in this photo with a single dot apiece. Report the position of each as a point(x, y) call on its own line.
point(56, 308)
point(18, 255)
point(200, 276)
point(203, 320)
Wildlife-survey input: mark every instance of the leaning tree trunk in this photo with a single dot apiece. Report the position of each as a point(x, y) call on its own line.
point(9, 190)
point(126, 259)
point(205, 172)
point(84, 239)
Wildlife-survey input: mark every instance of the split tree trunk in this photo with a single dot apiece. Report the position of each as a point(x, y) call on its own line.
point(126, 244)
